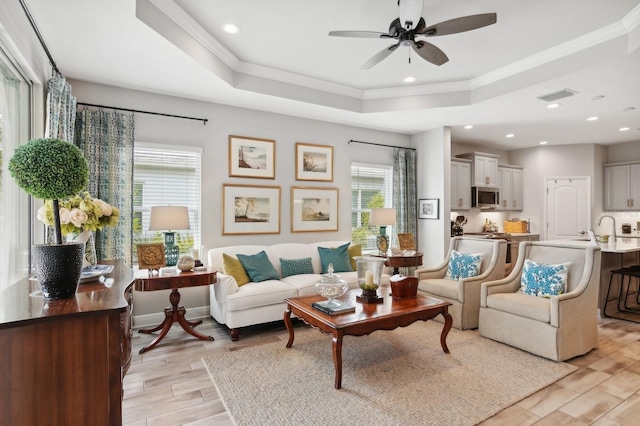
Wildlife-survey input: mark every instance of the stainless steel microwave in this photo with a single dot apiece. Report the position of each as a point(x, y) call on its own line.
point(485, 197)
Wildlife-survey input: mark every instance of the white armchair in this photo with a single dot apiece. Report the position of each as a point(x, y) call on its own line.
point(560, 327)
point(464, 293)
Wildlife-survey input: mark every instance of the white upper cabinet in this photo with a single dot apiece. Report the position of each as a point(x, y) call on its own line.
point(484, 168)
point(460, 184)
point(511, 187)
point(622, 186)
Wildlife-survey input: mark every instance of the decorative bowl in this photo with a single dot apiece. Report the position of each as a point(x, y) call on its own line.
point(331, 286)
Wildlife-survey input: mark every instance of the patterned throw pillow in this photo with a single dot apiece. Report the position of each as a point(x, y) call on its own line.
point(232, 266)
point(296, 266)
point(338, 256)
point(463, 265)
point(258, 267)
point(543, 280)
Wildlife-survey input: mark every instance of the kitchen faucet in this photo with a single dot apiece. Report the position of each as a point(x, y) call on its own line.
point(613, 221)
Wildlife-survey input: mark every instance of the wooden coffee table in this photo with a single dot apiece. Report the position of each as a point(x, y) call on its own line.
point(366, 319)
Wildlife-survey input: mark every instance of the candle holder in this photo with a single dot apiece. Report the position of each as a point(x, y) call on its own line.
point(369, 270)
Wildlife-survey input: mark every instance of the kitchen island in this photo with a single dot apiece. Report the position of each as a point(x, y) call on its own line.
point(622, 253)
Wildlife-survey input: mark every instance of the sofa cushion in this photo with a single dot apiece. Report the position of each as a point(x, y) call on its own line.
point(258, 267)
point(296, 266)
point(258, 294)
point(522, 305)
point(232, 266)
point(339, 257)
point(440, 287)
point(543, 280)
point(354, 250)
point(463, 265)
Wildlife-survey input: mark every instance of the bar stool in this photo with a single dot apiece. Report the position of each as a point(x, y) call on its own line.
point(623, 296)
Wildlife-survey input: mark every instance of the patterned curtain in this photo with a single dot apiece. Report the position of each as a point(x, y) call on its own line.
point(404, 191)
point(106, 138)
point(61, 109)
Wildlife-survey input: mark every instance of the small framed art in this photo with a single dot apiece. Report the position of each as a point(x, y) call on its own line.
point(314, 162)
point(314, 209)
point(252, 157)
point(250, 209)
point(151, 256)
point(406, 242)
point(429, 208)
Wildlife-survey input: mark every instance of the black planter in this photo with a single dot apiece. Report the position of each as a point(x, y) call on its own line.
point(58, 267)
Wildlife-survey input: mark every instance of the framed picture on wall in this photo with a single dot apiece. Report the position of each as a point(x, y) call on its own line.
point(250, 209)
point(252, 157)
point(314, 209)
point(314, 162)
point(429, 208)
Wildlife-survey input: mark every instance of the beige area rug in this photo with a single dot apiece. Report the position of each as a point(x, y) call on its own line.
point(399, 377)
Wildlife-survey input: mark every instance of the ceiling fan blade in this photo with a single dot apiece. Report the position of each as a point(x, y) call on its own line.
point(378, 57)
point(459, 25)
point(359, 34)
point(429, 52)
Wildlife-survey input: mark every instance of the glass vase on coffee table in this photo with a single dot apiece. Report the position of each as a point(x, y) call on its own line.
point(369, 270)
point(331, 286)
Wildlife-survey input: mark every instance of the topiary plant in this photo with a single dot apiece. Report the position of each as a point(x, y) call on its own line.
point(50, 169)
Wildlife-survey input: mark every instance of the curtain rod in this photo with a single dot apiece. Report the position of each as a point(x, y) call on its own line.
point(42, 43)
point(380, 144)
point(204, 120)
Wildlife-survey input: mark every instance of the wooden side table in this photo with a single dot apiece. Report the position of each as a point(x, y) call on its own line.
point(175, 312)
point(398, 262)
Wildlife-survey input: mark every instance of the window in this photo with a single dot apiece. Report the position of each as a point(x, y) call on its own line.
point(371, 187)
point(15, 110)
point(166, 176)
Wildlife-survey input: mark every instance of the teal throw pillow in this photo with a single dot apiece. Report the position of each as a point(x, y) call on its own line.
point(543, 280)
point(339, 257)
point(258, 267)
point(463, 265)
point(296, 266)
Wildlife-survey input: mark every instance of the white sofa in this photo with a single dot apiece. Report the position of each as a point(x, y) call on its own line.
point(262, 302)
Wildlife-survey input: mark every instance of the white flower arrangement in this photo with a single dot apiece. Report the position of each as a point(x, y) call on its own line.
point(80, 213)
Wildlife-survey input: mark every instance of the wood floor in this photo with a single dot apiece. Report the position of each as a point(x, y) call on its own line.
point(170, 386)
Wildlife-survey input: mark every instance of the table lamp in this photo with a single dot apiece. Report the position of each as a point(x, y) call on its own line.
point(169, 219)
point(383, 217)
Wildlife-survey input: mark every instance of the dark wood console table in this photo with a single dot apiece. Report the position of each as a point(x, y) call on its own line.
point(175, 312)
point(62, 361)
point(398, 262)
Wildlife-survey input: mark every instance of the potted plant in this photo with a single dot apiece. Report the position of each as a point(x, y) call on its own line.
point(53, 169)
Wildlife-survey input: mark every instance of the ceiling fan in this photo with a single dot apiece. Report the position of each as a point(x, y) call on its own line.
point(410, 25)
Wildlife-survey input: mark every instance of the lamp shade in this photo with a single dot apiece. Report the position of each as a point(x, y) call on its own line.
point(383, 217)
point(169, 218)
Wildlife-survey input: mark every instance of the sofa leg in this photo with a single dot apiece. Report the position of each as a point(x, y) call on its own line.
point(235, 334)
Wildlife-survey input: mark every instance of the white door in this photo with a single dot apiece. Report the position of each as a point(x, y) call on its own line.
point(567, 207)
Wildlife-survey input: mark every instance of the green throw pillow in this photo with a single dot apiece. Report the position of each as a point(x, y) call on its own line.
point(258, 267)
point(354, 250)
point(232, 266)
point(339, 257)
point(296, 266)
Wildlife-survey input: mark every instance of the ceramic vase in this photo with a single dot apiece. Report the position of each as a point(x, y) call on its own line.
point(58, 268)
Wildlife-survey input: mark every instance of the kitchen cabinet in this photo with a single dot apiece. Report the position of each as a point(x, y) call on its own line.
point(460, 184)
point(484, 168)
point(622, 186)
point(511, 188)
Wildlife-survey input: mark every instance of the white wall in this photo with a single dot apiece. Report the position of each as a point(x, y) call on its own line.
point(213, 139)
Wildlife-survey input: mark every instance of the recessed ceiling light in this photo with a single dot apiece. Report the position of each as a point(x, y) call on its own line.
point(594, 118)
point(543, 142)
point(468, 126)
point(552, 106)
point(623, 129)
point(509, 135)
point(409, 79)
point(231, 28)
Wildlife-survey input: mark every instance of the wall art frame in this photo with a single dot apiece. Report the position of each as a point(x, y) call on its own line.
point(252, 157)
point(406, 241)
point(314, 162)
point(314, 209)
point(429, 208)
point(250, 209)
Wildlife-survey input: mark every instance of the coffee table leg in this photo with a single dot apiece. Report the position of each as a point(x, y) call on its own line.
point(445, 330)
point(336, 345)
point(289, 325)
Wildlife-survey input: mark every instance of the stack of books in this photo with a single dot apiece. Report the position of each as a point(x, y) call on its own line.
point(334, 307)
